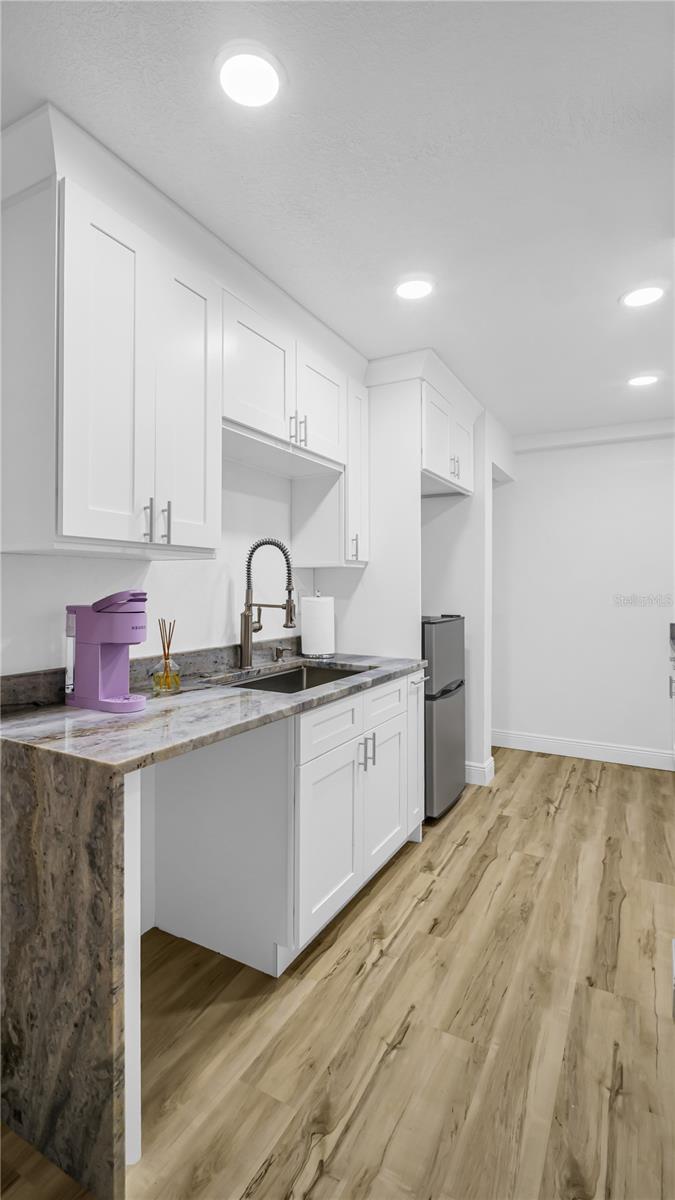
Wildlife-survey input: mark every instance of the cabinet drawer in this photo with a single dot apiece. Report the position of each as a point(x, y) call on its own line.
point(382, 703)
point(324, 728)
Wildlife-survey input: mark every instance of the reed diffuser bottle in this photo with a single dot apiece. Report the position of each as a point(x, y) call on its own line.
point(166, 675)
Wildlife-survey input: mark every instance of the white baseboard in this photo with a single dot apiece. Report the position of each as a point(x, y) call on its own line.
point(480, 773)
point(632, 756)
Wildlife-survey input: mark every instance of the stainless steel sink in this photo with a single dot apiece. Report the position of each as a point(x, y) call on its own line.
point(300, 679)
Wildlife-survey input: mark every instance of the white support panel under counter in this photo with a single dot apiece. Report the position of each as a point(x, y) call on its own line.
point(224, 848)
point(132, 967)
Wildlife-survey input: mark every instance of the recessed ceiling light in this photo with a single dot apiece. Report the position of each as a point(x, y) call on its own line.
point(249, 78)
point(643, 380)
point(642, 296)
point(414, 289)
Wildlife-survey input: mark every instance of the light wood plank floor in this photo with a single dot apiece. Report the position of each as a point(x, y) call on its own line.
point(489, 1020)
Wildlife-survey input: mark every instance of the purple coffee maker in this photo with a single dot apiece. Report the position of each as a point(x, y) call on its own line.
point(99, 676)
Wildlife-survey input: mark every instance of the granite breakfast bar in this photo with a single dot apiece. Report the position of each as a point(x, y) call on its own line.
point(70, 935)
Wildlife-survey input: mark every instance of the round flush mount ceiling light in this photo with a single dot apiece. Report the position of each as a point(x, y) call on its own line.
point(248, 74)
point(641, 296)
point(414, 289)
point(643, 380)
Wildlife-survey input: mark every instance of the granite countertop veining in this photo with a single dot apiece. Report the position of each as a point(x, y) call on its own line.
point(208, 710)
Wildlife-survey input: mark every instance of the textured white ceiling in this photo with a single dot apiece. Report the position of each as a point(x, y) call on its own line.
point(519, 152)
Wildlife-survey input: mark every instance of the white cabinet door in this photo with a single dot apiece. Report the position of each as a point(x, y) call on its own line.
point(107, 378)
point(385, 791)
point(321, 406)
point(330, 835)
point(357, 475)
point(437, 432)
point(463, 455)
point(258, 371)
point(188, 407)
point(415, 750)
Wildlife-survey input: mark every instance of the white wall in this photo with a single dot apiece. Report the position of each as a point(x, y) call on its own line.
point(457, 577)
point(204, 597)
point(582, 526)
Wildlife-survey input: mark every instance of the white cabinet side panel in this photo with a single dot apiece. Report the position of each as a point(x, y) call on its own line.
point(223, 870)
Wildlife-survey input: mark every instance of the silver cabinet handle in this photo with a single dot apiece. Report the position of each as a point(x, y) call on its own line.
point(374, 758)
point(293, 427)
point(166, 512)
point(355, 541)
point(149, 508)
point(303, 436)
point(459, 468)
point(364, 764)
point(419, 682)
point(453, 460)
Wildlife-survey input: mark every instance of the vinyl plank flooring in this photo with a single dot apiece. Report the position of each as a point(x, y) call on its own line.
point(490, 1019)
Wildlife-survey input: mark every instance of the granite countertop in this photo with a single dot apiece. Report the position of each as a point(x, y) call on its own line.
point(208, 710)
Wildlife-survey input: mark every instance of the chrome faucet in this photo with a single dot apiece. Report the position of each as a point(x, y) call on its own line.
point(249, 626)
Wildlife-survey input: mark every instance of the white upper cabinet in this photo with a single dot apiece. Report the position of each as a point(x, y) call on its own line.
point(447, 445)
point(357, 475)
point(321, 406)
point(140, 395)
point(463, 455)
point(437, 429)
point(258, 371)
point(188, 355)
point(107, 410)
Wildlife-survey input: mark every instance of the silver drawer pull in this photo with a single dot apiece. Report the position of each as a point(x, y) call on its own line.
point(303, 435)
point(374, 758)
point(355, 540)
point(364, 764)
point(293, 427)
point(419, 682)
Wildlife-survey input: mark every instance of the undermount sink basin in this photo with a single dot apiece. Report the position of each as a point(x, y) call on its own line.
point(300, 679)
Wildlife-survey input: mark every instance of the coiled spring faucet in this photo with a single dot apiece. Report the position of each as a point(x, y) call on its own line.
point(249, 626)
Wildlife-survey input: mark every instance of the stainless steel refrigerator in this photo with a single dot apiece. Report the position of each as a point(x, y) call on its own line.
point(443, 647)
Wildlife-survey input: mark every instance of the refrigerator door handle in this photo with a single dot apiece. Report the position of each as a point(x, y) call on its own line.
point(455, 686)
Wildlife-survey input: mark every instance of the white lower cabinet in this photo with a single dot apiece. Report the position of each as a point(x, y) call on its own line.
point(261, 839)
point(351, 810)
point(329, 816)
point(415, 750)
point(384, 793)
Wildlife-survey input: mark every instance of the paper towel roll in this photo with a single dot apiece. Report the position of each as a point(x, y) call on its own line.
point(317, 625)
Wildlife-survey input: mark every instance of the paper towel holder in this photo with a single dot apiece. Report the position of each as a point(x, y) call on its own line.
point(321, 644)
